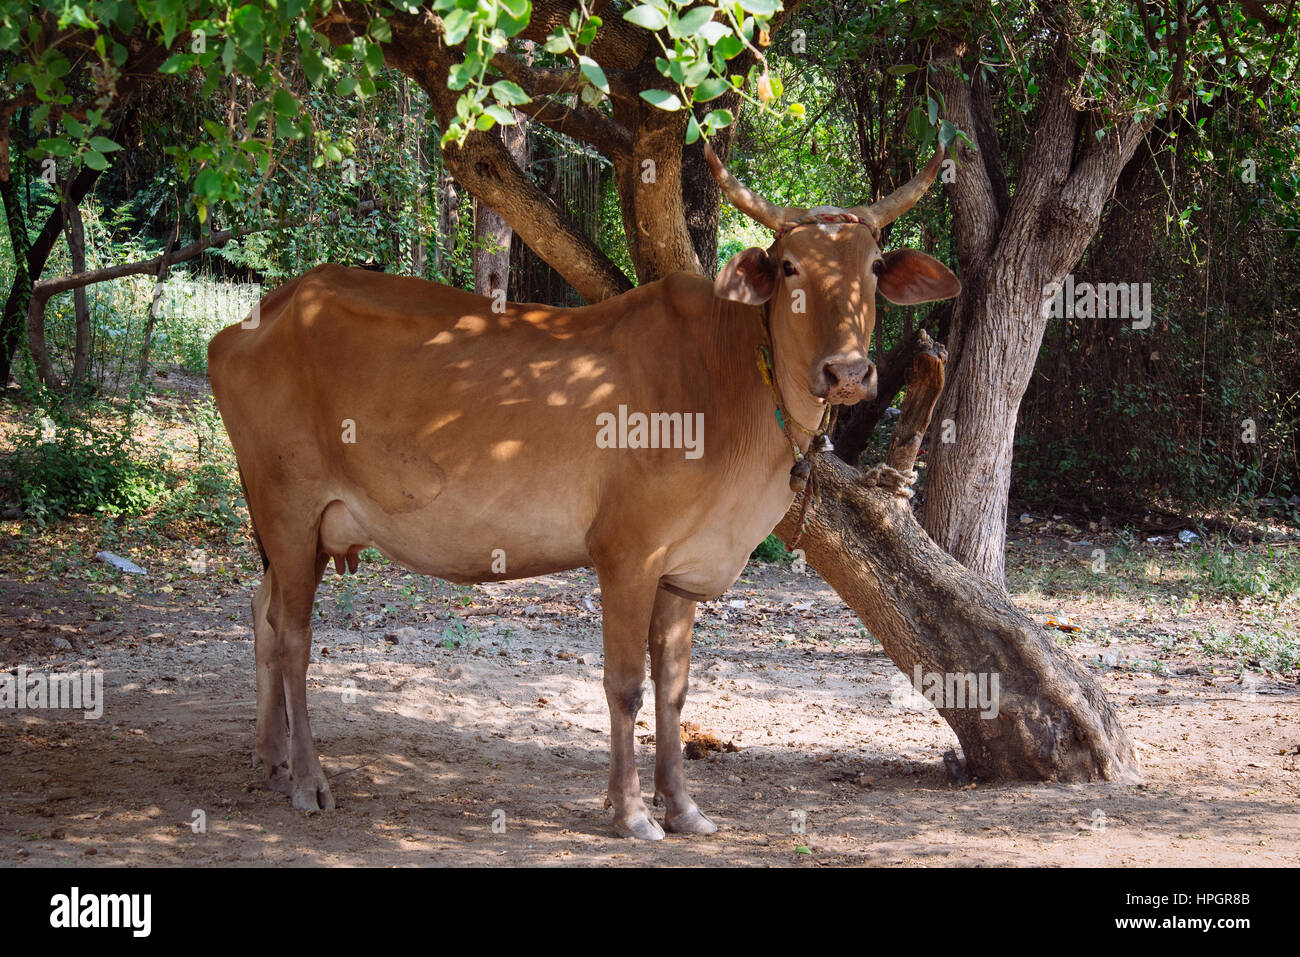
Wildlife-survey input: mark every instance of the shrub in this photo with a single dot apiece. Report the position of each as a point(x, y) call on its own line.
point(66, 463)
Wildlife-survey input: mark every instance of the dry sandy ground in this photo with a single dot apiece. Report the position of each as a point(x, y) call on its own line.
point(440, 741)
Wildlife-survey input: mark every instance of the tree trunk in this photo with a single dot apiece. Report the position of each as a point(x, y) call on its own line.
point(1043, 716)
point(77, 254)
point(492, 234)
point(448, 224)
point(1008, 262)
point(1053, 721)
point(12, 323)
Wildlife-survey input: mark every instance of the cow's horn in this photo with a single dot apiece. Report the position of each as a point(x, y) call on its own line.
point(888, 208)
point(746, 200)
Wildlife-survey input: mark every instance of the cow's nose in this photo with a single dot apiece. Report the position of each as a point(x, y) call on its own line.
point(850, 380)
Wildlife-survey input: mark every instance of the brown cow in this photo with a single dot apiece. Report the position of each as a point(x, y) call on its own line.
point(636, 435)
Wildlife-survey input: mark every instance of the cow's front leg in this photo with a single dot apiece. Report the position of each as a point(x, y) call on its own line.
point(627, 601)
point(670, 666)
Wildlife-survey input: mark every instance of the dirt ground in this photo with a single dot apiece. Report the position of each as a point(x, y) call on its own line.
point(467, 726)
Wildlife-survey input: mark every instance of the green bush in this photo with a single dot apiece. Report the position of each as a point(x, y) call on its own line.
point(770, 551)
point(66, 463)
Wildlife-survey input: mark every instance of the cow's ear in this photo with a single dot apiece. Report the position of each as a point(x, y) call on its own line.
point(907, 277)
point(749, 277)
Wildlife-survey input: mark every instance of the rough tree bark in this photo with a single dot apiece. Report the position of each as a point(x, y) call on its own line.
point(1052, 720)
point(491, 232)
point(77, 254)
point(1010, 249)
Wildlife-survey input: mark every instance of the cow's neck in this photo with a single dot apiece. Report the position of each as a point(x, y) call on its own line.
point(736, 333)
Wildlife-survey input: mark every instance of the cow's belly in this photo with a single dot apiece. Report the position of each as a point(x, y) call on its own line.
point(460, 539)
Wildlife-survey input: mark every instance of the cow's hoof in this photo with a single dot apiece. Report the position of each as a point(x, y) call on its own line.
point(690, 822)
point(279, 779)
point(643, 826)
point(313, 796)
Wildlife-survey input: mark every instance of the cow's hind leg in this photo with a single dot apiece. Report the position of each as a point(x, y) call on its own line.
point(272, 744)
point(298, 566)
point(670, 664)
point(627, 600)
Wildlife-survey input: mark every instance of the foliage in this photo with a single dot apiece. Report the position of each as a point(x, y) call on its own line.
point(72, 460)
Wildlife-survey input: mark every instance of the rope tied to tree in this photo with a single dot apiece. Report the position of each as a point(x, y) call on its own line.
point(890, 478)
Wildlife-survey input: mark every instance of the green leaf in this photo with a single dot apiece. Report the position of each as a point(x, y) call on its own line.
point(500, 114)
point(56, 146)
point(95, 160)
point(103, 144)
point(713, 31)
point(718, 119)
point(509, 93)
point(710, 88)
point(692, 130)
point(729, 46)
point(662, 99)
point(760, 8)
point(690, 23)
point(901, 69)
point(284, 103)
point(648, 17)
point(248, 26)
point(594, 74)
point(178, 63)
point(457, 25)
point(208, 185)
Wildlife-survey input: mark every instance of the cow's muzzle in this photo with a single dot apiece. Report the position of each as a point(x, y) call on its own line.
point(846, 381)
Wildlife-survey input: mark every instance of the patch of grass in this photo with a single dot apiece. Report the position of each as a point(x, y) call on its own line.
point(1274, 649)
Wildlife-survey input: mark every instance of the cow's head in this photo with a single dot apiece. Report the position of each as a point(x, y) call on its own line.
point(820, 277)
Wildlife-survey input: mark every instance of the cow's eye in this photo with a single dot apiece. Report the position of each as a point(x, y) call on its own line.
point(878, 266)
point(788, 267)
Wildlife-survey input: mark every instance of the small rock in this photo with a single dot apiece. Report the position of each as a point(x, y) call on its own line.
point(120, 563)
point(402, 636)
point(62, 644)
point(1187, 537)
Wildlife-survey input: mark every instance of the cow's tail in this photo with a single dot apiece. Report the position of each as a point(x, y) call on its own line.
point(261, 550)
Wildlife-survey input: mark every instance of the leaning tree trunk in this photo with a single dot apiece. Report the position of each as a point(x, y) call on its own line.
point(1052, 720)
point(77, 255)
point(15, 311)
